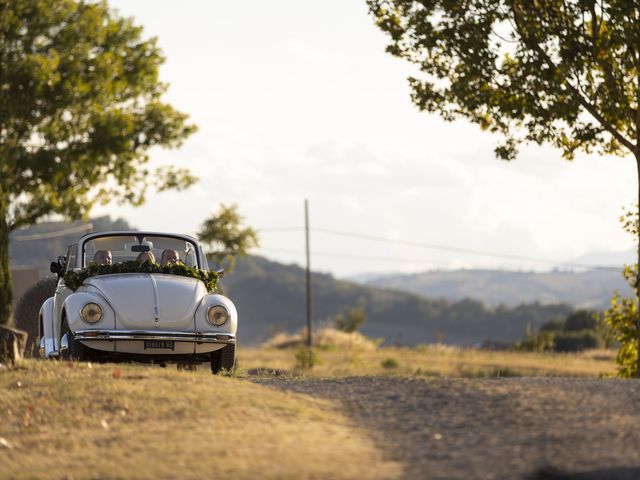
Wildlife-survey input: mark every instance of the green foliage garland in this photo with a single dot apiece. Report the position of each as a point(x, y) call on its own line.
point(74, 280)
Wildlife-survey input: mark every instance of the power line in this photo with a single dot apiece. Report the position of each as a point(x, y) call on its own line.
point(465, 250)
point(468, 251)
point(281, 229)
point(349, 256)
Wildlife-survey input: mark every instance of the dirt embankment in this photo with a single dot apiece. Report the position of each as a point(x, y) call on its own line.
point(512, 428)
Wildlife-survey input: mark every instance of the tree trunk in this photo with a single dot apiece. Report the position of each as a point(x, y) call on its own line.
point(637, 154)
point(6, 295)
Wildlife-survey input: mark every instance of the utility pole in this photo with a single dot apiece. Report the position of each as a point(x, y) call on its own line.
point(306, 230)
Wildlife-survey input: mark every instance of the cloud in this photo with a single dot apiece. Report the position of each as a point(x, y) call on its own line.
point(312, 55)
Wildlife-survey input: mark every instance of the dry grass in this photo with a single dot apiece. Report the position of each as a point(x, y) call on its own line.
point(324, 338)
point(74, 420)
point(433, 361)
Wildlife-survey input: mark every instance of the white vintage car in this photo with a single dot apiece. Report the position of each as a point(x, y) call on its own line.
point(114, 301)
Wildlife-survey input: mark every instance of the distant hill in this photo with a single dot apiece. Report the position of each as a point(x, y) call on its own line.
point(270, 297)
point(588, 289)
point(26, 248)
point(604, 258)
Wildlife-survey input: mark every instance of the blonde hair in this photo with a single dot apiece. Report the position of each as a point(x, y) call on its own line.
point(146, 257)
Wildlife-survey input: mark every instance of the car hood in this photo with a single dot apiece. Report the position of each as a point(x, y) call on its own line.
point(148, 301)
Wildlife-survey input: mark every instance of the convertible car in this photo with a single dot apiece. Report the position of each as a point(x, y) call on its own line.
point(139, 296)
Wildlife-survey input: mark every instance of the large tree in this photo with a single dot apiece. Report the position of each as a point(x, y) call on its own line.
point(80, 107)
point(565, 73)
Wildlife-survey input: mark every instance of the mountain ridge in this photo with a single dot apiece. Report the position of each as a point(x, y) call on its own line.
point(581, 289)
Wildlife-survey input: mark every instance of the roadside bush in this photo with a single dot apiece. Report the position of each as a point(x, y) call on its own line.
point(353, 319)
point(553, 325)
point(536, 342)
point(390, 363)
point(581, 320)
point(622, 318)
point(581, 330)
point(28, 307)
point(306, 358)
point(577, 341)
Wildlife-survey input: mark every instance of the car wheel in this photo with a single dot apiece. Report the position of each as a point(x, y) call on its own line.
point(224, 358)
point(76, 350)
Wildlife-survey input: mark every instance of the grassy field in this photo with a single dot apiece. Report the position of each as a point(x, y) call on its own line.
point(430, 361)
point(76, 420)
point(82, 420)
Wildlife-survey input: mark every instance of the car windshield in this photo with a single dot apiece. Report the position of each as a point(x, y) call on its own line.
point(122, 248)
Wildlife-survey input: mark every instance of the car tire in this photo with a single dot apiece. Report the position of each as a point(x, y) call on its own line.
point(76, 350)
point(223, 359)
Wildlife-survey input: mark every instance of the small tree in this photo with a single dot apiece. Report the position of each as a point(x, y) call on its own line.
point(622, 316)
point(80, 107)
point(226, 237)
point(353, 319)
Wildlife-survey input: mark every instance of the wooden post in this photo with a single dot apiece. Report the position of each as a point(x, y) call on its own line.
point(306, 229)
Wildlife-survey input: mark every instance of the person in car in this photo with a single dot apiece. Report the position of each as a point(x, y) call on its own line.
point(146, 257)
point(169, 257)
point(103, 257)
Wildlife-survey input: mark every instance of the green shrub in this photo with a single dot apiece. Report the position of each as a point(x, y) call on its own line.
point(306, 358)
point(576, 341)
point(351, 321)
point(390, 363)
point(564, 335)
point(28, 309)
point(536, 342)
point(553, 325)
point(622, 318)
point(581, 320)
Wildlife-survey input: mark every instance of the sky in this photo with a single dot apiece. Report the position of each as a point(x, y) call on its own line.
point(298, 100)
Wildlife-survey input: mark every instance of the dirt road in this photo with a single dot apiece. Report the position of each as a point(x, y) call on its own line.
point(510, 428)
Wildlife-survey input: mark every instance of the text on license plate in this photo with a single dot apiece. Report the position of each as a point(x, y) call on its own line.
point(164, 344)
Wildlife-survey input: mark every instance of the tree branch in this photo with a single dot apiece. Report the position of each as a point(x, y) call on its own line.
point(534, 44)
point(29, 219)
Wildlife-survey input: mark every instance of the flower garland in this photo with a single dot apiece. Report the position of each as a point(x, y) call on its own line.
point(74, 280)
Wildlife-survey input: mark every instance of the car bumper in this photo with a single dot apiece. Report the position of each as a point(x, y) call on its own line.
point(119, 335)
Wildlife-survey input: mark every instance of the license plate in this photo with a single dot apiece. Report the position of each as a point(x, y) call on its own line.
point(164, 344)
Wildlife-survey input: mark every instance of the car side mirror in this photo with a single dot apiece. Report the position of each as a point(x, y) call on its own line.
point(58, 267)
point(55, 268)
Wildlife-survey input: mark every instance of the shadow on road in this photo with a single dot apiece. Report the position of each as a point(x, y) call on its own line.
point(528, 428)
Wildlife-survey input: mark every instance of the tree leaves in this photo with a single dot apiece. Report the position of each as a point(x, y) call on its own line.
point(562, 73)
point(226, 237)
point(80, 108)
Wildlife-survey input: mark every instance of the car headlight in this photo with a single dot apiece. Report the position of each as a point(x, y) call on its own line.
point(217, 315)
point(91, 312)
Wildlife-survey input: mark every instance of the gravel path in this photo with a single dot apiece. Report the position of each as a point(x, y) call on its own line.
point(511, 428)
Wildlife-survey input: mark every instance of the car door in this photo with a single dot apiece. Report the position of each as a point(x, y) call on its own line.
point(62, 292)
